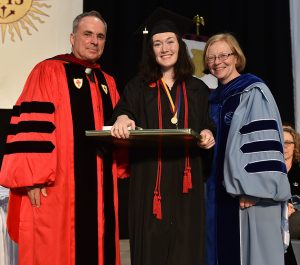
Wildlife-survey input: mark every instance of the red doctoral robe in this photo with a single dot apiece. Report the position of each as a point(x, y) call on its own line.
point(40, 150)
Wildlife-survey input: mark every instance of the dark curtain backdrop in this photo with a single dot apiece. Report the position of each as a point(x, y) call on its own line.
point(261, 26)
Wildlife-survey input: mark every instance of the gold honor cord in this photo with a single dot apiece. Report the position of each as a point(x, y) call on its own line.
point(174, 119)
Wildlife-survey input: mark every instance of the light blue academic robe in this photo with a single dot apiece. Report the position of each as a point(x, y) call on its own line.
point(248, 161)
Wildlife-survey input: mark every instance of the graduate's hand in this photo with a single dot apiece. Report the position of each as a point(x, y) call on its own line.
point(122, 127)
point(207, 139)
point(34, 194)
point(291, 209)
point(247, 201)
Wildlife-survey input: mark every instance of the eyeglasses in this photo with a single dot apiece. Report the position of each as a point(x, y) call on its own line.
point(221, 57)
point(288, 142)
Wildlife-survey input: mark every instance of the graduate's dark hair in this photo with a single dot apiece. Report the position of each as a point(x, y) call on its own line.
point(150, 70)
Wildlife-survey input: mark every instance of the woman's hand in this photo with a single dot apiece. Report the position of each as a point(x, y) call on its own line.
point(247, 201)
point(122, 127)
point(207, 139)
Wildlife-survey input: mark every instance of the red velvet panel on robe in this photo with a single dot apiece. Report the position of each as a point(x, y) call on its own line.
point(46, 234)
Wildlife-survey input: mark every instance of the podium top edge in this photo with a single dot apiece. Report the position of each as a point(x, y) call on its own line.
point(145, 132)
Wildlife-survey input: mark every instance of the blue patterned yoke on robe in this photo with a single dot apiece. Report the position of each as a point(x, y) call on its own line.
point(248, 161)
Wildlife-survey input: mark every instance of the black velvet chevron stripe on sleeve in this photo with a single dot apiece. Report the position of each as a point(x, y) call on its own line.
point(266, 166)
point(260, 125)
point(31, 126)
point(33, 107)
point(29, 147)
point(262, 146)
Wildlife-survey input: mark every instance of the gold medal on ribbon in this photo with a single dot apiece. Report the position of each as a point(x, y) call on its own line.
point(174, 119)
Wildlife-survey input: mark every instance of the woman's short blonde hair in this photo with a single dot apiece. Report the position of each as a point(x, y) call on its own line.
point(296, 138)
point(234, 46)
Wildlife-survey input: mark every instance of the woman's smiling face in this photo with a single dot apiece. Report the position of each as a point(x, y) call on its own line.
point(166, 48)
point(222, 61)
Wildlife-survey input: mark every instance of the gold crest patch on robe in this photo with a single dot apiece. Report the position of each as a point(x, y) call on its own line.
point(104, 87)
point(78, 82)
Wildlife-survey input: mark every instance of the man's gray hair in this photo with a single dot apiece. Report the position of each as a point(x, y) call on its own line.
point(93, 13)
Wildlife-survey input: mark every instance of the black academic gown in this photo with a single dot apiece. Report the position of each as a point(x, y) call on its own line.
point(178, 237)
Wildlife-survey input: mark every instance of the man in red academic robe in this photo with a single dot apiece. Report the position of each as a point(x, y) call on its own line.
point(63, 207)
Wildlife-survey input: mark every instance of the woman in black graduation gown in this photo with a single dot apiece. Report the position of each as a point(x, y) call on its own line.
point(166, 209)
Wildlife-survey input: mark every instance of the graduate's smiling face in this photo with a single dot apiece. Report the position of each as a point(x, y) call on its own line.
point(165, 48)
point(89, 39)
point(222, 61)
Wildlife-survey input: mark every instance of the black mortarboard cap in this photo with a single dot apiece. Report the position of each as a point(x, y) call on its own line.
point(164, 26)
point(164, 20)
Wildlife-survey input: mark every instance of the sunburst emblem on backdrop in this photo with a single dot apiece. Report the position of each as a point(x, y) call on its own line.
point(17, 16)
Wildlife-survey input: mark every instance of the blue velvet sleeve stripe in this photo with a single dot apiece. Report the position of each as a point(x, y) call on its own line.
point(261, 146)
point(29, 147)
point(260, 125)
point(33, 107)
point(31, 126)
point(266, 166)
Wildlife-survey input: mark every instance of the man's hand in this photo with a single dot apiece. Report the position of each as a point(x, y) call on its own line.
point(120, 129)
point(34, 194)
